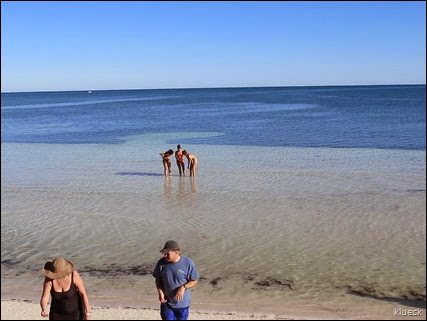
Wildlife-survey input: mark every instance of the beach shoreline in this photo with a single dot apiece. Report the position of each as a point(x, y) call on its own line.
point(25, 309)
point(14, 309)
point(19, 306)
point(349, 306)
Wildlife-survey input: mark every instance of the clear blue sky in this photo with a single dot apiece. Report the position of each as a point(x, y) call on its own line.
point(68, 45)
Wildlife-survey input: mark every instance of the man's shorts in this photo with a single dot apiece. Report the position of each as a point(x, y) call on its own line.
point(169, 313)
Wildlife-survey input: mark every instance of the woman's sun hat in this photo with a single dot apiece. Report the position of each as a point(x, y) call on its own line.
point(58, 268)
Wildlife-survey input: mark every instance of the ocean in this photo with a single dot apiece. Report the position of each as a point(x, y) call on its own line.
point(387, 117)
point(308, 196)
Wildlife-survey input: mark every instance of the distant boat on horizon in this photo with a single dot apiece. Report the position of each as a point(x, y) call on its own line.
point(89, 92)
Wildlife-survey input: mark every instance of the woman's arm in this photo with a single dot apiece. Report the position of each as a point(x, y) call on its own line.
point(44, 300)
point(78, 281)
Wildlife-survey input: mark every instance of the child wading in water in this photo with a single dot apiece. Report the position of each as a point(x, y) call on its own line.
point(166, 156)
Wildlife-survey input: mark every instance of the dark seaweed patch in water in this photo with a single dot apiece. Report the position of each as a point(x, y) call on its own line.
point(250, 277)
point(215, 281)
point(412, 298)
point(10, 262)
point(270, 282)
point(114, 270)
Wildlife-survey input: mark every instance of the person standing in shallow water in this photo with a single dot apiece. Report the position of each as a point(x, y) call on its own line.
point(175, 275)
point(167, 166)
point(180, 160)
point(192, 162)
point(65, 285)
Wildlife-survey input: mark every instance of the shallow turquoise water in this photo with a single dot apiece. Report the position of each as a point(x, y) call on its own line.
point(260, 222)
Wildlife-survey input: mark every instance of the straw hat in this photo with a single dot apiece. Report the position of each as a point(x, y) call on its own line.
point(58, 268)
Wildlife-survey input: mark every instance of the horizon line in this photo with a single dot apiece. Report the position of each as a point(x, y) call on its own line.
point(231, 87)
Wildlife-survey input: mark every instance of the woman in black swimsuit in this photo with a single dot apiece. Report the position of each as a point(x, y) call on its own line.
point(65, 285)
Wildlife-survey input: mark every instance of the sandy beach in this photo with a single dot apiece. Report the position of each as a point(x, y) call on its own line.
point(27, 310)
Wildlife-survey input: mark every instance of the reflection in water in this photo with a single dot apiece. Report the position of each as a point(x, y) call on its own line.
point(194, 188)
point(183, 187)
point(167, 185)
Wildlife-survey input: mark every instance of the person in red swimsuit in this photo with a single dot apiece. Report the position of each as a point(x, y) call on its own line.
point(180, 160)
point(65, 285)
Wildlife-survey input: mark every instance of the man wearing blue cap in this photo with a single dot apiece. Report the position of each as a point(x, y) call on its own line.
point(175, 275)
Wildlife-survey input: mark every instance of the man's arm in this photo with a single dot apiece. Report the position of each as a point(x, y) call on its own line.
point(159, 287)
point(181, 290)
point(190, 284)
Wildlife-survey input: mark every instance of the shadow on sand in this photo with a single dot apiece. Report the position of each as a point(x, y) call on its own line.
point(412, 299)
point(138, 174)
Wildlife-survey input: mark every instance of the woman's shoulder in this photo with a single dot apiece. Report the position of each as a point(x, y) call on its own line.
point(76, 274)
point(77, 279)
point(47, 280)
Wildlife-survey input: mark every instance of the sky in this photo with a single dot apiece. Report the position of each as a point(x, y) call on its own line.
point(95, 45)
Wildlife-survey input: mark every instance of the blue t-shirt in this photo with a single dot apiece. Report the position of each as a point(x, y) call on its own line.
point(173, 275)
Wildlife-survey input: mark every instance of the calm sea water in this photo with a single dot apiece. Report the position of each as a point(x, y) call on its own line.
point(391, 117)
point(311, 195)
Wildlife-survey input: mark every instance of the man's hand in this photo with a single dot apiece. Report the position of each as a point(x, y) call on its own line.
point(180, 293)
point(162, 297)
